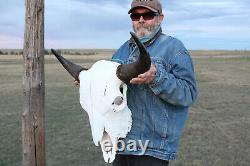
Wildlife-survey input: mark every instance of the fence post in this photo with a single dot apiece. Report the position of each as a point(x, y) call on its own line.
point(33, 137)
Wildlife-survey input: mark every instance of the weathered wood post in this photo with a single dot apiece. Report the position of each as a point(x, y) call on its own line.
point(33, 138)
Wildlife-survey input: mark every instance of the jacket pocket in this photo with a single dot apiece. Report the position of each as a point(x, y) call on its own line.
point(165, 120)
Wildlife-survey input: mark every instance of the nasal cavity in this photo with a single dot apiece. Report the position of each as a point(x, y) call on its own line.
point(118, 100)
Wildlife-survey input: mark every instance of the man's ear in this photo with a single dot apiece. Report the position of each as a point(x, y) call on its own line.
point(161, 17)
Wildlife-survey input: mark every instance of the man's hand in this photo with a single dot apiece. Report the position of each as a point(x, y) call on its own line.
point(146, 77)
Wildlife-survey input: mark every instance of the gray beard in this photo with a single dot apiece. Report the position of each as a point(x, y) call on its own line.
point(146, 31)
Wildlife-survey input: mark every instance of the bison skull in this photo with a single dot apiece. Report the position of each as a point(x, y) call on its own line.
point(103, 96)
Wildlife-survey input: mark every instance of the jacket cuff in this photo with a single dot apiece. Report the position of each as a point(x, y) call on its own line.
point(117, 60)
point(159, 77)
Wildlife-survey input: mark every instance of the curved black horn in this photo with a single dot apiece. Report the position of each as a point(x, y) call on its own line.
point(73, 69)
point(126, 72)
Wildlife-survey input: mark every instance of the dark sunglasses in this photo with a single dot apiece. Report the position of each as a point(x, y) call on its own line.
point(146, 16)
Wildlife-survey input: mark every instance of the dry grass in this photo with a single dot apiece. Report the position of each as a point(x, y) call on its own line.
point(217, 132)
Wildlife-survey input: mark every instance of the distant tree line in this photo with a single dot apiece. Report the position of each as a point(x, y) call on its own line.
point(11, 52)
point(48, 52)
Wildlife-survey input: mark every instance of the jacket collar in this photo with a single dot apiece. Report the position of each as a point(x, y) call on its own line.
point(150, 40)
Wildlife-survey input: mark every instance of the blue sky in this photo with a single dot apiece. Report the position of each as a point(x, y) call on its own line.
point(213, 24)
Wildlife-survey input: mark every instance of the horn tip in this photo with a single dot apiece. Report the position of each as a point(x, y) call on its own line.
point(53, 51)
point(132, 34)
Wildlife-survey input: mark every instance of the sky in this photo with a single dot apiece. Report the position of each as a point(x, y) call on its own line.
point(199, 24)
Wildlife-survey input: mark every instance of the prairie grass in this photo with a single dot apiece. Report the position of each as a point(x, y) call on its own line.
point(217, 132)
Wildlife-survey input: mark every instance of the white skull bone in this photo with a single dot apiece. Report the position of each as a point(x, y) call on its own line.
point(106, 105)
point(100, 97)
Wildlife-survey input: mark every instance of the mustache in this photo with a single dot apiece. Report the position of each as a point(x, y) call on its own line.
point(143, 25)
point(145, 28)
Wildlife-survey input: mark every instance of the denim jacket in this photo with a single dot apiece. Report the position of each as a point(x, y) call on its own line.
point(160, 108)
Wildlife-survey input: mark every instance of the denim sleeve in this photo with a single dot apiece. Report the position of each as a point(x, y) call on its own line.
point(118, 56)
point(175, 83)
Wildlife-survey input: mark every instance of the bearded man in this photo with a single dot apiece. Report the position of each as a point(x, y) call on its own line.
point(159, 98)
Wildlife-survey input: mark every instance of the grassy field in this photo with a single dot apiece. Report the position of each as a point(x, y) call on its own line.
point(217, 132)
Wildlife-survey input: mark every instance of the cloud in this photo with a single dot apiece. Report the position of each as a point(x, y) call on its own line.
point(87, 23)
point(106, 24)
point(82, 19)
point(211, 22)
point(9, 41)
point(205, 10)
point(12, 18)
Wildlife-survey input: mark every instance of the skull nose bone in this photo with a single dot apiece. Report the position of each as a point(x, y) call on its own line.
point(118, 100)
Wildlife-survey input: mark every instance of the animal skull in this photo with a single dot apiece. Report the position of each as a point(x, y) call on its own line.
point(106, 105)
point(102, 98)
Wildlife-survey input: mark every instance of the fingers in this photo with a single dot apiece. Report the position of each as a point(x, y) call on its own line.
point(146, 77)
point(143, 78)
point(137, 80)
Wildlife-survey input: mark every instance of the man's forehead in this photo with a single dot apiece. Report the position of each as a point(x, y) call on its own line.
point(141, 10)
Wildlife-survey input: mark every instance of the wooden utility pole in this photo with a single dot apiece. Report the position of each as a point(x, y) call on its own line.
point(33, 138)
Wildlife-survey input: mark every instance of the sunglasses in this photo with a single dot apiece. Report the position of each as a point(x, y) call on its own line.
point(146, 16)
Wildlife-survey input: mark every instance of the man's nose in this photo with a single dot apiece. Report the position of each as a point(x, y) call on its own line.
point(141, 19)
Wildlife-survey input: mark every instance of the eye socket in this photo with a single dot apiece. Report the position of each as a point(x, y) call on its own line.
point(118, 100)
point(121, 88)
